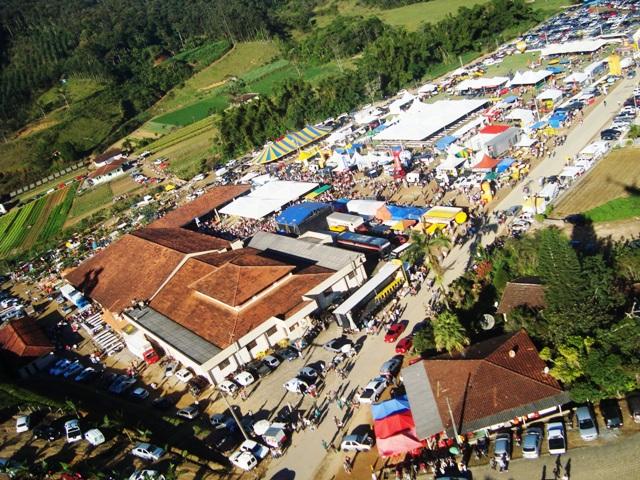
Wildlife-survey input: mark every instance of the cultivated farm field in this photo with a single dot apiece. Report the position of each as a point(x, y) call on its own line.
point(614, 177)
point(35, 222)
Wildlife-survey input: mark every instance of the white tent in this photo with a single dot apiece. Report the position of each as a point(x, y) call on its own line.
point(459, 72)
point(580, 46)
point(526, 141)
point(593, 67)
point(248, 176)
point(594, 150)
point(523, 115)
point(576, 77)
point(570, 172)
point(422, 120)
point(552, 94)
point(367, 208)
point(480, 83)
point(476, 122)
point(267, 199)
point(367, 115)
point(626, 62)
point(450, 164)
point(529, 77)
point(261, 179)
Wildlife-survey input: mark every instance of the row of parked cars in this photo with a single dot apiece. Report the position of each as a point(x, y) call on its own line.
point(625, 118)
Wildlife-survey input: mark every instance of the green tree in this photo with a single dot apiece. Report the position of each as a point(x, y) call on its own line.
point(426, 249)
point(448, 333)
point(423, 340)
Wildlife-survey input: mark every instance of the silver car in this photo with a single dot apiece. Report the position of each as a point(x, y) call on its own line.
point(531, 442)
point(586, 423)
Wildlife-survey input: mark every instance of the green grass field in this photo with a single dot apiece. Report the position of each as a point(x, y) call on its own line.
point(203, 55)
point(617, 209)
point(513, 63)
point(75, 89)
point(412, 16)
point(91, 200)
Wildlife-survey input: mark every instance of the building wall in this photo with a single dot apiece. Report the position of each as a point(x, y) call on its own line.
point(108, 177)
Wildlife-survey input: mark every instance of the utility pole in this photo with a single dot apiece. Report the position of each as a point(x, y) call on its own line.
point(233, 413)
point(453, 422)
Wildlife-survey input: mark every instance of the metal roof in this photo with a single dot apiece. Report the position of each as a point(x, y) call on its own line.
point(424, 409)
point(385, 272)
point(174, 334)
point(323, 255)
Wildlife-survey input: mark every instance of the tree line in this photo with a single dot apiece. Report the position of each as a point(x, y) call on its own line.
point(390, 58)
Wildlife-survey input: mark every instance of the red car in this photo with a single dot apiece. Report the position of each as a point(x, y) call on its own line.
point(404, 345)
point(394, 332)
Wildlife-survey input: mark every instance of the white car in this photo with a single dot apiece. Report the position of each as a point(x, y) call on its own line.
point(146, 475)
point(94, 436)
point(296, 385)
point(256, 449)
point(556, 438)
point(356, 443)
point(373, 390)
point(228, 387)
point(271, 361)
point(23, 423)
point(308, 372)
point(244, 379)
point(243, 460)
point(171, 368)
point(147, 451)
point(198, 177)
point(190, 412)
point(72, 431)
point(184, 375)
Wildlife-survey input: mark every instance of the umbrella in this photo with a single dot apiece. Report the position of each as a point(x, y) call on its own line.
point(454, 450)
point(260, 427)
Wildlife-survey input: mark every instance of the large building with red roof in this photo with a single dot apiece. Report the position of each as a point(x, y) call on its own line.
point(489, 384)
point(209, 305)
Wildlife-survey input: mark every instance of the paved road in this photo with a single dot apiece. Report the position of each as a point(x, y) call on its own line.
point(306, 458)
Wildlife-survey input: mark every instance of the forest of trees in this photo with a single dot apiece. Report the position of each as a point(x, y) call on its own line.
point(390, 59)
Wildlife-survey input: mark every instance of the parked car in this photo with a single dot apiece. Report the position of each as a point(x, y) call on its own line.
point(290, 353)
point(244, 379)
point(139, 394)
point(197, 385)
point(610, 134)
point(308, 372)
point(531, 442)
point(190, 412)
point(256, 449)
point(297, 385)
point(373, 390)
point(502, 446)
point(222, 421)
point(146, 475)
point(162, 403)
point(356, 443)
point(147, 451)
point(394, 331)
point(391, 367)
point(271, 361)
point(47, 432)
point(23, 423)
point(404, 345)
point(72, 431)
point(87, 374)
point(556, 438)
point(73, 370)
point(59, 367)
point(610, 410)
point(122, 384)
point(633, 402)
point(94, 436)
point(243, 460)
point(171, 369)
point(184, 375)
point(586, 423)
point(228, 387)
point(337, 345)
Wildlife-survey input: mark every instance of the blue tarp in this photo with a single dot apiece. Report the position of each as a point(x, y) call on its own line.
point(384, 409)
point(406, 213)
point(504, 164)
point(555, 70)
point(445, 141)
point(296, 214)
point(538, 125)
point(510, 99)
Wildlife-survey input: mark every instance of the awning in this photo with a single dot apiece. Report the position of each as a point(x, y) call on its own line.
point(491, 176)
point(290, 143)
point(392, 424)
point(394, 405)
point(487, 163)
point(445, 141)
point(504, 164)
point(510, 99)
point(398, 444)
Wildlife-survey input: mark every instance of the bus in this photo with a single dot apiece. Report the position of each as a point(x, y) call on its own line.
point(399, 251)
point(366, 243)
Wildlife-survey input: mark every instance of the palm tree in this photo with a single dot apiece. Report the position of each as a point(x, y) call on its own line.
point(426, 248)
point(448, 333)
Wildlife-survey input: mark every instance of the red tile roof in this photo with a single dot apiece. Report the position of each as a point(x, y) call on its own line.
point(205, 294)
point(214, 199)
point(494, 129)
point(24, 338)
point(491, 377)
point(107, 155)
point(522, 292)
point(134, 267)
point(98, 172)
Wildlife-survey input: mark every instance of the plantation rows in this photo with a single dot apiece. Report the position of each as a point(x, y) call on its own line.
point(46, 214)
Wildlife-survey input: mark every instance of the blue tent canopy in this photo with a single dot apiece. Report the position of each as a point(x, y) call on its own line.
point(406, 213)
point(504, 164)
point(296, 214)
point(538, 125)
point(384, 409)
point(510, 99)
point(554, 69)
point(445, 141)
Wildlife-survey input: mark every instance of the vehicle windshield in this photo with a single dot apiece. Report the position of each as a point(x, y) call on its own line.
point(530, 443)
point(586, 423)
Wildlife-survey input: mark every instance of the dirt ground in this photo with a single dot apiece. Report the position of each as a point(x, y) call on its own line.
point(611, 178)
